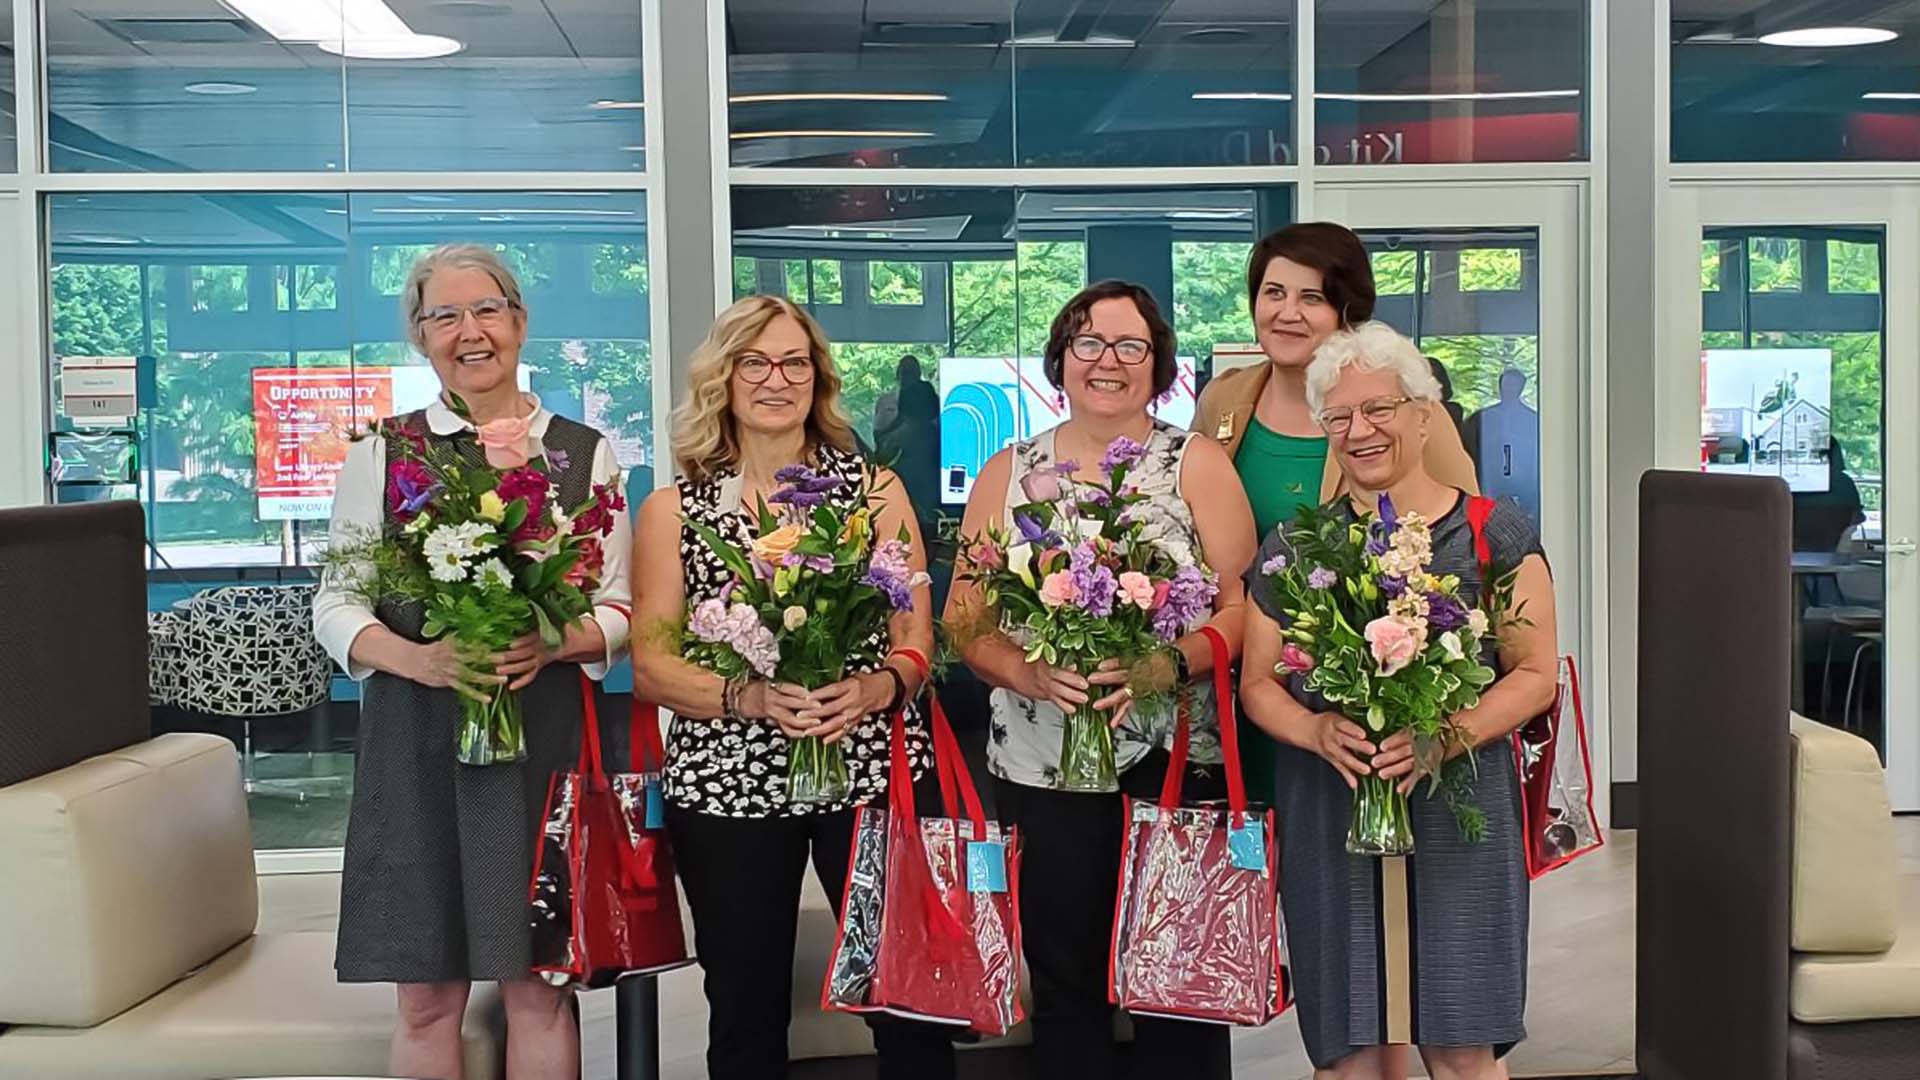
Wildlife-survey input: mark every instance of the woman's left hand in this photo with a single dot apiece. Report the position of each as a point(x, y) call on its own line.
point(529, 653)
point(1113, 673)
point(1398, 759)
point(839, 706)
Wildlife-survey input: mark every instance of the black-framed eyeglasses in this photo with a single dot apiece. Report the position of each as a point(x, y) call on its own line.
point(756, 369)
point(1379, 412)
point(1089, 348)
point(487, 311)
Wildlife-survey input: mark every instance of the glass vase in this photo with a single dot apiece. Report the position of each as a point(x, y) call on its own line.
point(1382, 820)
point(816, 771)
point(492, 732)
point(1086, 752)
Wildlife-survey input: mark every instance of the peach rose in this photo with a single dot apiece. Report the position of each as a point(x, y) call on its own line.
point(1057, 589)
point(1137, 588)
point(1393, 643)
point(508, 441)
point(775, 546)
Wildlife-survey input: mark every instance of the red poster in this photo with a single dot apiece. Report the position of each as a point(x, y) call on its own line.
point(301, 420)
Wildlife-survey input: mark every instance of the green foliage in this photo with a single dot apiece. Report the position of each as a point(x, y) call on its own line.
point(893, 283)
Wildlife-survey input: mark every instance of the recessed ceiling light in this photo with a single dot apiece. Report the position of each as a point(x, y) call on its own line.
point(220, 89)
point(1829, 37)
point(605, 103)
point(1213, 34)
point(1242, 95)
point(635, 149)
point(1890, 95)
point(834, 95)
point(831, 133)
point(399, 47)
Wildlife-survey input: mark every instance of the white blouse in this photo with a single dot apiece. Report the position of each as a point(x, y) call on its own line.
point(339, 616)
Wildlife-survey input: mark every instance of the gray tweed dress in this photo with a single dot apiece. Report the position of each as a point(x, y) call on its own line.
point(438, 855)
point(1429, 949)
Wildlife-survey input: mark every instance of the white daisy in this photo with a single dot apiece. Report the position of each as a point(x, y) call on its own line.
point(493, 574)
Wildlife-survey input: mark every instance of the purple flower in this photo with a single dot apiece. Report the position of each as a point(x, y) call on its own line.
point(738, 627)
point(1389, 520)
point(1065, 468)
point(891, 573)
point(1032, 531)
point(801, 478)
point(1093, 584)
point(1098, 497)
point(1273, 566)
point(798, 498)
point(819, 564)
point(1445, 613)
point(558, 460)
point(1392, 585)
point(1322, 578)
point(1121, 453)
point(1189, 596)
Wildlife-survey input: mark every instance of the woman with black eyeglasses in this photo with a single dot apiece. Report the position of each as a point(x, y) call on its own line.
point(763, 395)
point(1111, 353)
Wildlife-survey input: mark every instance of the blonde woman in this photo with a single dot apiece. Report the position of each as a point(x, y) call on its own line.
point(433, 891)
point(764, 395)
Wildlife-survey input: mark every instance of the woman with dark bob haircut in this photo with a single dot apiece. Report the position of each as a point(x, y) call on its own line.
point(1111, 353)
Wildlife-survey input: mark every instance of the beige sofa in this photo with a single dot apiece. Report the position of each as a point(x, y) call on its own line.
point(1854, 981)
point(127, 945)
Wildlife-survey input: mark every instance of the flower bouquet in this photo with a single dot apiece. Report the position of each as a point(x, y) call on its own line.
point(490, 554)
point(1079, 579)
point(811, 585)
point(1393, 647)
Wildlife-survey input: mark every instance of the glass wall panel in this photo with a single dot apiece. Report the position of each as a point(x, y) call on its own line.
point(1454, 81)
point(1757, 81)
point(9, 159)
point(221, 298)
point(412, 85)
point(995, 83)
point(1793, 369)
point(1471, 300)
point(534, 86)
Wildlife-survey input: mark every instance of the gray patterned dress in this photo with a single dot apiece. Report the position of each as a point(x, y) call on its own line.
point(433, 885)
point(1429, 949)
point(1026, 734)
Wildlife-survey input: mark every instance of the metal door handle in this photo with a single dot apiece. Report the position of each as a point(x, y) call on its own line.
point(1902, 546)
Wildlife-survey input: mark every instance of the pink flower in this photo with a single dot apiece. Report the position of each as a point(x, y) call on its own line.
point(585, 574)
point(1057, 589)
point(1160, 593)
point(1041, 485)
point(1296, 659)
point(986, 555)
point(1137, 589)
point(1393, 643)
point(508, 441)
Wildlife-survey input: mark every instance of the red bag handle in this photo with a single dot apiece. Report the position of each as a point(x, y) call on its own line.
point(590, 760)
point(1479, 511)
point(643, 738)
point(1229, 736)
point(955, 779)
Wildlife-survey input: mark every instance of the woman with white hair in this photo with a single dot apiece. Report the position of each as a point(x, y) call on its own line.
point(433, 890)
point(1428, 950)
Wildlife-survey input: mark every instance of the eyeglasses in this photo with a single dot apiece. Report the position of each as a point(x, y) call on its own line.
point(1090, 348)
point(756, 369)
point(1379, 412)
point(487, 311)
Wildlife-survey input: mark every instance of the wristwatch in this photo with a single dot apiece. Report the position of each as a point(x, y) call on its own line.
point(1182, 671)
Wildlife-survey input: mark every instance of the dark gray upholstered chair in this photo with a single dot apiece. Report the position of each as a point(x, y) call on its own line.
point(1769, 942)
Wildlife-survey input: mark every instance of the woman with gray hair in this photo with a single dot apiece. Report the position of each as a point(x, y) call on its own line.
point(433, 891)
point(1428, 951)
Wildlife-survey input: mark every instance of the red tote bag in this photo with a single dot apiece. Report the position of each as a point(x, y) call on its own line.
point(1557, 821)
point(930, 920)
point(1196, 928)
point(603, 901)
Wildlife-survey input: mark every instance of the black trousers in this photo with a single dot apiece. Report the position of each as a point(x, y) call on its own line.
point(1069, 875)
point(743, 878)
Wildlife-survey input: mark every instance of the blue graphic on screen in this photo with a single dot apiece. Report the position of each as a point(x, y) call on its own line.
point(988, 403)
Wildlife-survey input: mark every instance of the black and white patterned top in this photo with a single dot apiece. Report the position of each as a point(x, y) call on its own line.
point(1024, 746)
point(740, 769)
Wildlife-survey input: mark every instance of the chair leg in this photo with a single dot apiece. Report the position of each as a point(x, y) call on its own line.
point(1846, 706)
point(1826, 677)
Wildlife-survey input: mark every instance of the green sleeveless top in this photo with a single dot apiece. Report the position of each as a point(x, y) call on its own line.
point(1281, 472)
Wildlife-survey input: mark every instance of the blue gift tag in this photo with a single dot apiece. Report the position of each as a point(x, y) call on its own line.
point(1247, 845)
point(656, 806)
point(987, 866)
